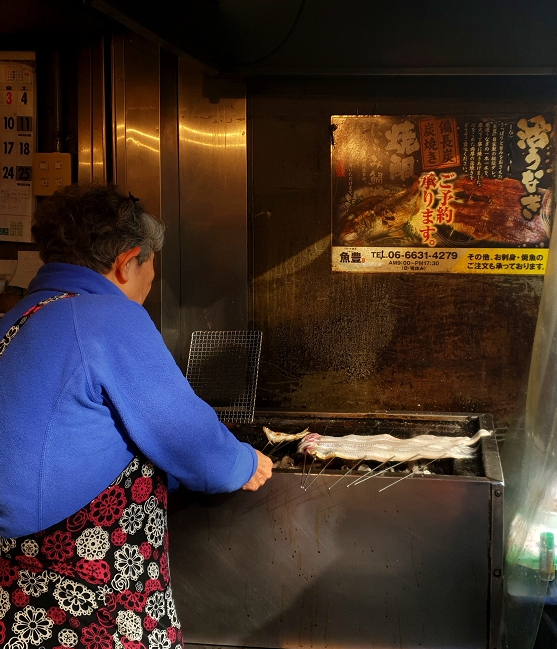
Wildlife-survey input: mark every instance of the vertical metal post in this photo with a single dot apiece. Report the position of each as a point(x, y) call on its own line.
point(91, 125)
point(58, 117)
point(170, 258)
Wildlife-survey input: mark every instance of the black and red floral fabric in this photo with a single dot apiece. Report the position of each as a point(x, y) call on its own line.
point(98, 579)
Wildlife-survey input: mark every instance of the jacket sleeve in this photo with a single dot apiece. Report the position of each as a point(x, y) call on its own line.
point(131, 370)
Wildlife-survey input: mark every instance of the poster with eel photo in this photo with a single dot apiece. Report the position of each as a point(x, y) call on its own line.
point(442, 193)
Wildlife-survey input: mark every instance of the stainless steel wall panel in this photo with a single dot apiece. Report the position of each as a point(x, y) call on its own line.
point(201, 280)
point(137, 132)
point(141, 121)
point(212, 203)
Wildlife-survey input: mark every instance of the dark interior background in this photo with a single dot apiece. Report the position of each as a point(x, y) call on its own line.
point(335, 341)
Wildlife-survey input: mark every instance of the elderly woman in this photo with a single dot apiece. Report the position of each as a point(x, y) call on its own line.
point(94, 414)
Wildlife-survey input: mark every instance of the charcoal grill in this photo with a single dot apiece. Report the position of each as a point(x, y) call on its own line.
point(416, 565)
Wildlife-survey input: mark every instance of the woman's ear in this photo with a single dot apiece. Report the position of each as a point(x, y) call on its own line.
point(122, 263)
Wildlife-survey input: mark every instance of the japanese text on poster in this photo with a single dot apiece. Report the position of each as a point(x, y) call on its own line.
point(466, 194)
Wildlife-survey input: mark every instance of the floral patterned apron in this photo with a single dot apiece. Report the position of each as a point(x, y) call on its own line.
point(98, 579)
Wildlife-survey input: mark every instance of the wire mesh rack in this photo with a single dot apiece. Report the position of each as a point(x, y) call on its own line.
point(222, 369)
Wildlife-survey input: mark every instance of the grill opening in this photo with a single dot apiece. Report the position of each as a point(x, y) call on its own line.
point(287, 459)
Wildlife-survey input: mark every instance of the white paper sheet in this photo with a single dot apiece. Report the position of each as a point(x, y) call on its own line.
point(28, 263)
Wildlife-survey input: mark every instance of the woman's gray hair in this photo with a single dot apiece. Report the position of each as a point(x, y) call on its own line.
point(91, 225)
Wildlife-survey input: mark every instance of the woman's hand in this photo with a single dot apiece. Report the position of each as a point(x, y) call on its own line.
point(262, 473)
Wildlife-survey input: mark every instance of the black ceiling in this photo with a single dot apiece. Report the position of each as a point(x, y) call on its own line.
point(49, 21)
point(315, 36)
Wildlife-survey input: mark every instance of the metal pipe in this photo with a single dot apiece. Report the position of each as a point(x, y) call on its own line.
point(58, 120)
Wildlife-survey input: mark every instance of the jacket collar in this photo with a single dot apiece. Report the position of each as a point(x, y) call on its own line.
point(71, 278)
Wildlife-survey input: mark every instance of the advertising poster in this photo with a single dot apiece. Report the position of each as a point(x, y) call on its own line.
point(453, 194)
point(17, 144)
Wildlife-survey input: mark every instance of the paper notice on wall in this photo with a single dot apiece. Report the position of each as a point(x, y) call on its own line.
point(442, 193)
point(17, 144)
point(28, 263)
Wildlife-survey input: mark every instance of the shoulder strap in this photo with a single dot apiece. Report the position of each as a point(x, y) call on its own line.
point(19, 323)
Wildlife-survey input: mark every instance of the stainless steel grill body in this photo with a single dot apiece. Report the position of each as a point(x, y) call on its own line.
point(417, 565)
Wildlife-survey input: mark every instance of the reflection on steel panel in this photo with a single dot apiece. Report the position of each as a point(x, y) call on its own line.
point(212, 132)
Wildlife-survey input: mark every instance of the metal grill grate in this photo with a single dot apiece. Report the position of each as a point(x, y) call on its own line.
point(222, 370)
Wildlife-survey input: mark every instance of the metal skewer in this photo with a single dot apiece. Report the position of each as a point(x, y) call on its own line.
point(303, 471)
point(309, 471)
point(320, 472)
point(411, 474)
point(373, 472)
point(278, 446)
point(345, 474)
point(275, 448)
point(367, 477)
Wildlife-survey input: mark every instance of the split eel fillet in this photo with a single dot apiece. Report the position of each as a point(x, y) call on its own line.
point(386, 448)
point(275, 438)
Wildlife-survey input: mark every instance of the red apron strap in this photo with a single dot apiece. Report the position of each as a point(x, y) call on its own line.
point(19, 323)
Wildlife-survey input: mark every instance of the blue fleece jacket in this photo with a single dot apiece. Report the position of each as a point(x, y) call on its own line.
point(85, 383)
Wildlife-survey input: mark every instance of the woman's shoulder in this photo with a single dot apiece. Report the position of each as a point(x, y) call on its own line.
point(117, 305)
point(111, 313)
